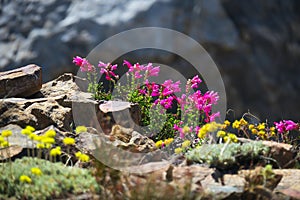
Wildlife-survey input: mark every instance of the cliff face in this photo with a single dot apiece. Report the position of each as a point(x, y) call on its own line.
point(254, 43)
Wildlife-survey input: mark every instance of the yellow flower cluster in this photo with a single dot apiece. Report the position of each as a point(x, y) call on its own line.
point(36, 171)
point(25, 179)
point(185, 144)
point(208, 128)
point(80, 129)
point(69, 141)
point(239, 124)
point(43, 141)
point(262, 131)
point(82, 157)
point(227, 136)
point(178, 150)
point(164, 143)
point(55, 151)
point(5, 134)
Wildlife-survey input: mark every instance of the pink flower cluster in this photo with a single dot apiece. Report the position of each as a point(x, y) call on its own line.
point(84, 64)
point(137, 69)
point(195, 81)
point(202, 102)
point(107, 69)
point(286, 125)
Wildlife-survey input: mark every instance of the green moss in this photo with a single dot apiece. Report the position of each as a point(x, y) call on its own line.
point(56, 180)
point(224, 156)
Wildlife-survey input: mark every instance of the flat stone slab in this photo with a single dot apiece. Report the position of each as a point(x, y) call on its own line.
point(21, 82)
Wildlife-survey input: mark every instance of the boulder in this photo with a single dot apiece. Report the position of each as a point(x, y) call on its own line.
point(50, 113)
point(21, 82)
point(17, 116)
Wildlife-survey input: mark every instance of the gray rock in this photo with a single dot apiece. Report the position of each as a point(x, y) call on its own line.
point(50, 113)
point(21, 82)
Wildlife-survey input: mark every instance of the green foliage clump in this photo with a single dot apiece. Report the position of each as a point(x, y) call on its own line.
point(55, 180)
point(223, 156)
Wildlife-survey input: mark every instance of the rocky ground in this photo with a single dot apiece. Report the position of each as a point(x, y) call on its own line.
point(60, 105)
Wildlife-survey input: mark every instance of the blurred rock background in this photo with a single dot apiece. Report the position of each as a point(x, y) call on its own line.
point(255, 44)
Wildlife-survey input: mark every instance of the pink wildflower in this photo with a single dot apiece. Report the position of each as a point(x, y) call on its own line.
point(155, 90)
point(83, 63)
point(167, 103)
point(107, 69)
point(152, 71)
point(195, 81)
point(286, 125)
point(137, 75)
point(213, 116)
point(170, 87)
point(142, 91)
point(78, 61)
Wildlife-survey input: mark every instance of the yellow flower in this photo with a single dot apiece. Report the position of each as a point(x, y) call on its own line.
point(1, 139)
point(38, 137)
point(40, 146)
point(243, 122)
point(227, 123)
point(78, 154)
point(55, 152)
point(236, 124)
point(33, 136)
point(159, 143)
point(25, 179)
point(50, 133)
point(261, 126)
point(233, 137)
point(82, 157)
point(272, 133)
point(221, 134)
point(48, 140)
point(5, 144)
point(168, 141)
point(178, 150)
point(254, 131)
point(69, 141)
point(261, 133)
point(213, 126)
point(36, 171)
point(27, 130)
point(186, 144)
point(272, 128)
point(251, 126)
point(202, 133)
point(30, 128)
point(226, 138)
point(80, 129)
point(6, 133)
point(186, 129)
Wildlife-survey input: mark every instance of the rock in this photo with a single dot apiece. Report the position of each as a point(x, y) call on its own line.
point(50, 113)
point(123, 113)
point(64, 87)
point(282, 153)
point(120, 137)
point(21, 82)
point(17, 116)
point(17, 141)
point(17, 138)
